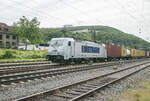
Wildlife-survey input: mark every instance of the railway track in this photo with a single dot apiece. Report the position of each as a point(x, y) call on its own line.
point(27, 67)
point(23, 64)
point(79, 90)
point(38, 71)
point(14, 78)
point(5, 62)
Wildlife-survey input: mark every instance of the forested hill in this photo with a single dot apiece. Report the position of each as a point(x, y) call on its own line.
point(104, 34)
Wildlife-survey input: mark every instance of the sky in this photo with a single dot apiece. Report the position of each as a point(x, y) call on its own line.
point(129, 16)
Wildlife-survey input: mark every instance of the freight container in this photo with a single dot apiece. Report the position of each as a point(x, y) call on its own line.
point(128, 52)
point(141, 52)
point(137, 53)
point(148, 53)
point(113, 51)
point(133, 52)
point(125, 52)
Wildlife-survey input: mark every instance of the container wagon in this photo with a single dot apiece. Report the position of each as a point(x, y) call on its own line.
point(137, 53)
point(148, 53)
point(113, 51)
point(125, 53)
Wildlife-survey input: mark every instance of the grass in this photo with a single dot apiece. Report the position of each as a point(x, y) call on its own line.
point(140, 93)
point(16, 55)
point(136, 94)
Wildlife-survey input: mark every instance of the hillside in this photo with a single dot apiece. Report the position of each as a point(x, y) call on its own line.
point(104, 34)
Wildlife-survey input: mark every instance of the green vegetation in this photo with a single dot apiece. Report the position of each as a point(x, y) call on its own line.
point(18, 54)
point(140, 92)
point(28, 30)
point(104, 34)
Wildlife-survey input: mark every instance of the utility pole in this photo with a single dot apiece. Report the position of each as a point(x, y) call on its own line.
point(94, 34)
point(139, 30)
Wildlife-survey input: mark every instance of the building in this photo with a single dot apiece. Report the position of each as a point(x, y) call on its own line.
point(7, 38)
point(81, 31)
point(22, 46)
point(41, 47)
point(67, 26)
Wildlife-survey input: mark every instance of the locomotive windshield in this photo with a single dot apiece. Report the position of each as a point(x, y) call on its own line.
point(56, 42)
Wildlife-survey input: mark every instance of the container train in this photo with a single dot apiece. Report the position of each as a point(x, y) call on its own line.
point(63, 50)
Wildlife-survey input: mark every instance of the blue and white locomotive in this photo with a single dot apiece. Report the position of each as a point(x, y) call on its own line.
point(69, 49)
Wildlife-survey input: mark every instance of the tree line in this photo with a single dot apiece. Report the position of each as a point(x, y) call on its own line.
point(29, 32)
point(104, 34)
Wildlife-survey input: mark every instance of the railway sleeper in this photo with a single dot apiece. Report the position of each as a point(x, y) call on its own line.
point(87, 85)
point(73, 92)
point(80, 90)
point(64, 95)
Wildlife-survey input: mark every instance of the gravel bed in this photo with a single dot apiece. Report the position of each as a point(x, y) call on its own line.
point(23, 89)
point(113, 90)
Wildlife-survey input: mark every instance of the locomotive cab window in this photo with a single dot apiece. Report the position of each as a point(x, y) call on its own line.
point(69, 43)
point(56, 43)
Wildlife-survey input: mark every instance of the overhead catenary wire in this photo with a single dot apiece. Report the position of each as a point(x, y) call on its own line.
point(85, 14)
point(37, 12)
point(133, 17)
point(72, 17)
point(79, 10)
point(40, 12)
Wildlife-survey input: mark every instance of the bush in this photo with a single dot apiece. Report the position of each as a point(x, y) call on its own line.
point(1, 54)
point(18, 54)
point(8, 54)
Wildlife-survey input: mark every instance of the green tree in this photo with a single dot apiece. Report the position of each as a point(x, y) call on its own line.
point(64, 32)
point(28, 30)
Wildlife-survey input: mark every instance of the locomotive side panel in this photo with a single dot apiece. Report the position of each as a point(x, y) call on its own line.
point(85, 49)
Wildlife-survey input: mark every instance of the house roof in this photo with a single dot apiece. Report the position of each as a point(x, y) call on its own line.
point(4, 28)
